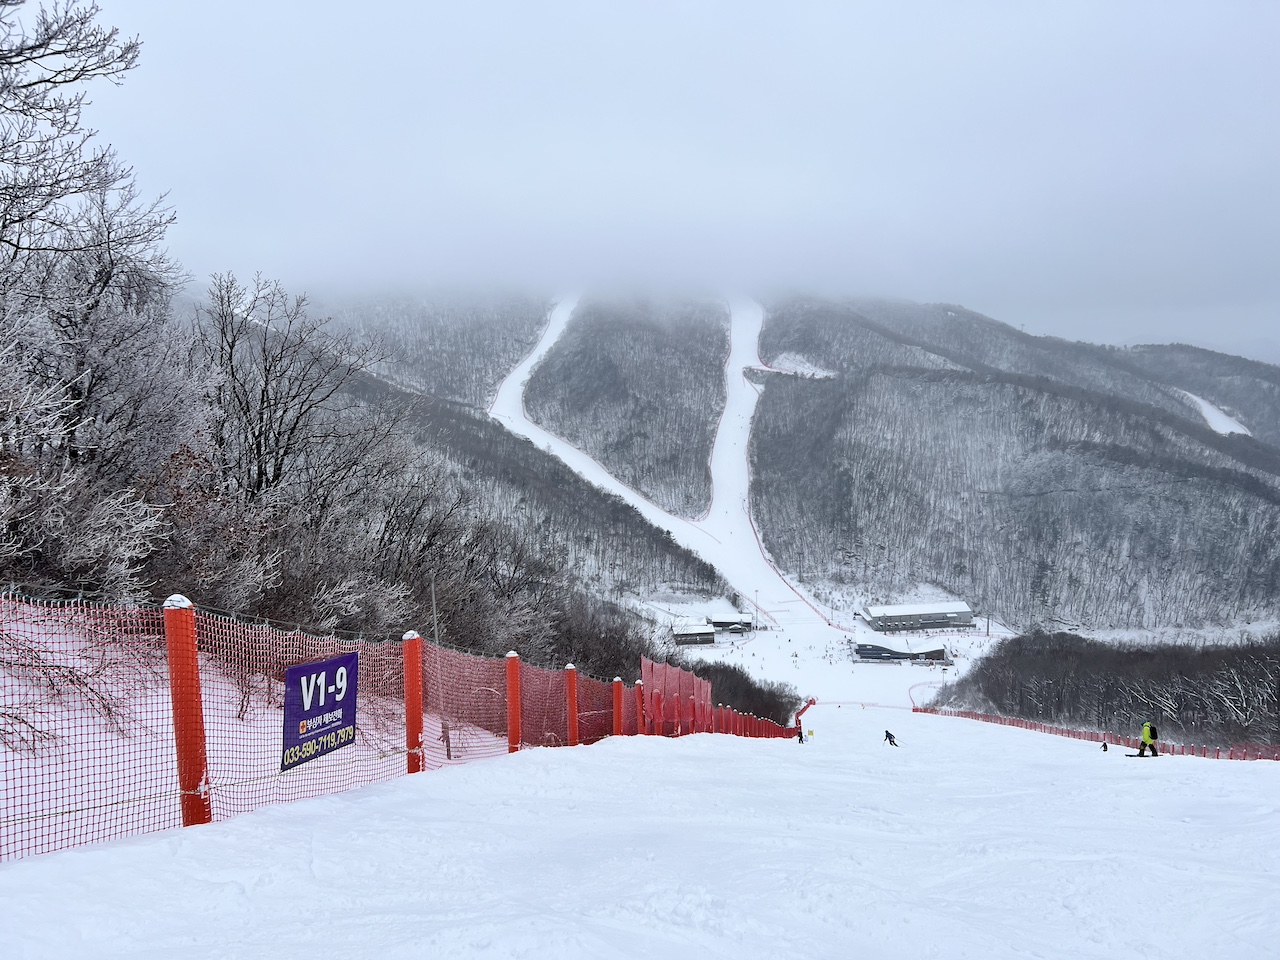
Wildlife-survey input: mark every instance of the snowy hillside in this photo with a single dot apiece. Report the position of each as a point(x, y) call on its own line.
point(1047, 482)
point(640, 386)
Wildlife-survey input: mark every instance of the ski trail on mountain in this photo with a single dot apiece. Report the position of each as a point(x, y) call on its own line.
point(725, 536)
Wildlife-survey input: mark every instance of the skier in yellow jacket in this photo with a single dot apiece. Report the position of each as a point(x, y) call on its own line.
point(1148, 740)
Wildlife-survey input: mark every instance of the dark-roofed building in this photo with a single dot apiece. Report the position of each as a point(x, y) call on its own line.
point(918, 616)
point(693, 631)
point(870, 651)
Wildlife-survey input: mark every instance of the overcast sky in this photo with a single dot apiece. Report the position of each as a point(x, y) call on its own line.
point(1102, 171)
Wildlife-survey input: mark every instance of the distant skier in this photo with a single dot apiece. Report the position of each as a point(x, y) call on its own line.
point(800, 732)
point(890, 739)
point(1104, 746)
point(1149, 737)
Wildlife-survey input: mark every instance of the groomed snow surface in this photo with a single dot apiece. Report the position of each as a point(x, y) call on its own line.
point(969, 840)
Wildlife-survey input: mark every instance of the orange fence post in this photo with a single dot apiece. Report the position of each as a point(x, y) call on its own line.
point(639, 707)
point(413, 700)
point(188, 710)
point(571, 701)
point(659, 718)
point(513, 702)
point(617, 706)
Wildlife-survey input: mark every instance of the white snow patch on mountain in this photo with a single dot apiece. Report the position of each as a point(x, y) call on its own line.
point(801, 366)
point(1218, 421)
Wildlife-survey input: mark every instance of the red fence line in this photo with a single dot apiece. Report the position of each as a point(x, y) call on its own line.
point(123, 720)
point(1239, 751)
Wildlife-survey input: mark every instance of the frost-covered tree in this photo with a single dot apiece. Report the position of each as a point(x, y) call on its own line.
point(48, 162)
point(277, 381)
point(89, 399)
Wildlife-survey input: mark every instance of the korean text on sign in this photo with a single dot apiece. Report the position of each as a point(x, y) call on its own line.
point(319, 708)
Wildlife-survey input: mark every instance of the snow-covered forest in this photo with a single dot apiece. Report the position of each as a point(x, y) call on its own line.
point(1027, 474)
point(639, 385)
point(456, 345)
point(1219, 694)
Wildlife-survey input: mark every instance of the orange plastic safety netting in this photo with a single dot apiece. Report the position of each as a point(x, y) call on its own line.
point(629, 711)
point(86, 730)
point(464, 704)
point(87, 744)
point(544, 709)
point(595, 709)
point(242, 674)
point(680, 699)
point(87, 749)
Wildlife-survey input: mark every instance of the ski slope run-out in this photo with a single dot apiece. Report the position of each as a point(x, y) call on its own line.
point(725, 536)
point(968, 841)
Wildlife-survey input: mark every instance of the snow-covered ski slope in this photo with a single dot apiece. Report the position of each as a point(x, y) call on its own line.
point(968, 841)
point(724, 536)
point(802, 643)
point(1218, 421)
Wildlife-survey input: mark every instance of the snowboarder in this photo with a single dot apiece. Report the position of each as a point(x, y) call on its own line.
point(1104, 746)
point(1149, 737)
point(890, 739)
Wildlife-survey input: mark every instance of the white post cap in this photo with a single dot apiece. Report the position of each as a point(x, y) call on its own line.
point(411, 635)
point(512, 653)
point(178, 602)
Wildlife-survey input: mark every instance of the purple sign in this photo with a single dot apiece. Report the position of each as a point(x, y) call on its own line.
point(319, 708)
